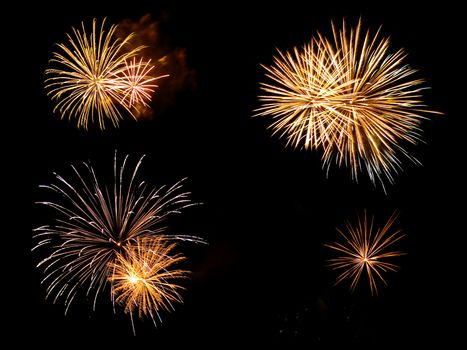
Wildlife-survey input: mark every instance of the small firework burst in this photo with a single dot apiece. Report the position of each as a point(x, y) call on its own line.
point(365, 249)
point(349, 97)
point(136, 83)
point(145, 279)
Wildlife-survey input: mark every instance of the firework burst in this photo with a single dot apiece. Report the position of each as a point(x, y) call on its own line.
point(136, 83)
point(144, 278)
point(98, 77)
point(348, 96)
point(365, 250)
point(96, 224)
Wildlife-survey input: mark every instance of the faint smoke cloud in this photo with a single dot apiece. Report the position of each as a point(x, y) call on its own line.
point(166, 58)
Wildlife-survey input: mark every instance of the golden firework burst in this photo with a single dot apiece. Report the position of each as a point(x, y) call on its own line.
point(97, 77)
point(348, 96)
point(365, 249)
point(145, 280)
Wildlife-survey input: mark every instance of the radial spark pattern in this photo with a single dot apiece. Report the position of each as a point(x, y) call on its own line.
point(365, 249)
point(97, 77)
point(145, 278)
point(137, 84)
point(96, 224)
point(349, 96)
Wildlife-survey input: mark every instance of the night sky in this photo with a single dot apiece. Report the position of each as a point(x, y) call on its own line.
point(267, 210)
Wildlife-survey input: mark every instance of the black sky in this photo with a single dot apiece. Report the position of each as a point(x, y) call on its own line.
point(267, 210)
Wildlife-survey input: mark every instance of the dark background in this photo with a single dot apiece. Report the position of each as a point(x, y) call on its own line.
point(267, 210)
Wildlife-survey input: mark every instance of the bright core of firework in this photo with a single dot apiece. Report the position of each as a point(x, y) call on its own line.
point(364, 250)
point(144, 278)
point(133, 279)
point(348, 96)
point(96, 225)
point(97, 77)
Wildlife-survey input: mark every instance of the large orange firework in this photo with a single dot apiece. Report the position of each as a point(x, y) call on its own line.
point(365, 250)
point(97, 77)
point(349, 96)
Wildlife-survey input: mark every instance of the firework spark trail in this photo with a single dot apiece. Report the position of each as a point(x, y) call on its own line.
point(145, 279)
point(348, 96)
point(365, 250)
point(96, 223)
point(98, 77)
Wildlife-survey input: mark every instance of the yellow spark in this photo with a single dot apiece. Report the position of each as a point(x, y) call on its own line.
point(365, 250)
point(348, 96)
